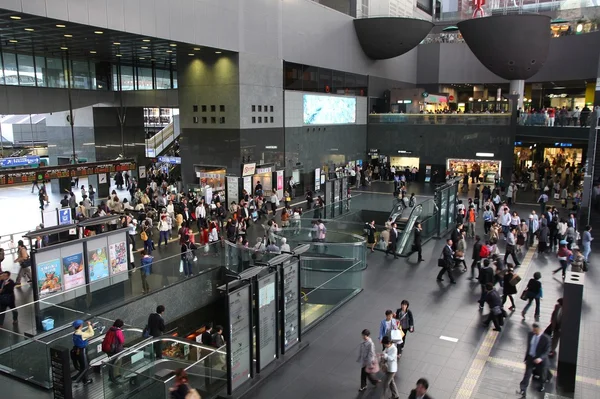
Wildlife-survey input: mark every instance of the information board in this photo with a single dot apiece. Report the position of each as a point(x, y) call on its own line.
point(290, 306)
point(267, 320)
point(233, 192)
point(12, 162)
point(60, 368)
point(239, 336)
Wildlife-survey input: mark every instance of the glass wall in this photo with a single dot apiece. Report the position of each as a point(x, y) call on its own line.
point(27, 70)
point(323, 80)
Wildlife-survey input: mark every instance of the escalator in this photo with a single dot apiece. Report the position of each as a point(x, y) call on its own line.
point(163, 142)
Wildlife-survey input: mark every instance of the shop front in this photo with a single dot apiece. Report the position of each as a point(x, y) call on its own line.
point(487, 168)
point(269, 178)
point(563, 153)
point(401, 162)
point(210, 180)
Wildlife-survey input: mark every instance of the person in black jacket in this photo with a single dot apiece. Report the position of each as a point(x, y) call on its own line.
point(448, 256)
point(406, 322)
point(509, 289)
point(417, 242)
point(486, 275)
point(536, 356)
point(391, 248)
point(493, 300)
point(156, 327)
point(420, 392)
point(476, 257)
point(534, 292)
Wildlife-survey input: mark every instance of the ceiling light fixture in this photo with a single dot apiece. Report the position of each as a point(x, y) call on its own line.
point(146, 40)
point(29, 29)
point(68, 35)
point(13, 41)
point(218, 52)
point(92, 51)
point(173, 45)
point(117, 43)
point(172, 62)
point(169, 51)
point(144, 47)
point(191, 54)
point(98, 32)
point(142, 58)
point(61, 26)
point(196, 48)
point(64, 48)
point(15, 17)
point(152, 59)
point(118, 55)
point(485, 154)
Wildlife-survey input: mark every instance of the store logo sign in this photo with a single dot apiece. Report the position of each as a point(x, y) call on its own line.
point(249, 169)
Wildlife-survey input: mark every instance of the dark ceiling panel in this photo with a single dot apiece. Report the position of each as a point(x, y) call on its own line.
point(45, 37)
point(513, 47)
point(389, 37)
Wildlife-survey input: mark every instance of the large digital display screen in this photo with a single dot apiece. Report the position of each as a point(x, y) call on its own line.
point(329, 110)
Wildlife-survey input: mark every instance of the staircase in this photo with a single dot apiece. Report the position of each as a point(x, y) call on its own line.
point(160, 142)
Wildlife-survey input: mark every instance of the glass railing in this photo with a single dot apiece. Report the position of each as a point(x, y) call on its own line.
point(542, 119)
point(324, 290)
point(442, 119)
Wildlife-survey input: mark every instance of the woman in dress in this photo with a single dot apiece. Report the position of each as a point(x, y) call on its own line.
point(371, 235)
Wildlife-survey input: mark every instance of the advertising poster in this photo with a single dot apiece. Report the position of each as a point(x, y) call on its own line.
point(239, 308)
point(267, 320)
point(280, 183)
point(73, 271)
point(49, 277)
point(98, 264)
point(317, 179)
point(117, 254)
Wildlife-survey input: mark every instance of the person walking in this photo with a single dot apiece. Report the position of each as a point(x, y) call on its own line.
point(486, 276)
point(563, 255)
point(476, 256)
point(368, 361)
point(586, 241)
point(459, 254)
point(494, 302)
point(187, 256)
point(387, 325)
point(471, 221)
point(509, 288)
point(7, 297)
point(420, 392)
point(370, 229)
point(446, 262)
point(536, 356)
point(488, 218)
point(389, 358)
point(406, 322)
point(164, 229)
point(554, 328)
point(155, 328)
point(79, 352)
point(511, 247)
point(418, 242)
point(24, 262)
point(146, 270)
point(533, 292)
point(113, 343)
point(392, 243)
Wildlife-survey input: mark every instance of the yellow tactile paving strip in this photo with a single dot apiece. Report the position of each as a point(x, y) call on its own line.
point(521, 366)
point(483, 354)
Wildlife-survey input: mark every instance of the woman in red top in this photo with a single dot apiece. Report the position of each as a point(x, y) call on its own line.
point(564, 256)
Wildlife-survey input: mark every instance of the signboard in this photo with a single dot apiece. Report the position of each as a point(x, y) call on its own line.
point(170, 160)
point(17, 176)
point(260, 171)
point(233, 192)
point(248, 184)
point(19, 161)
point(73, 271)
point(291, 306)
point(117, 254)
point(267, 321)
point(239, 330)
point(64, 216)
point(248, 169)
point(50, 218)
point(97, 264)
point(280, 184)
point(317, 179)
point(60, 367)
point(142, 172)
point(102, 179)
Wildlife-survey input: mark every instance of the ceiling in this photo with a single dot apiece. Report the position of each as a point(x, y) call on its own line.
point(30, 34)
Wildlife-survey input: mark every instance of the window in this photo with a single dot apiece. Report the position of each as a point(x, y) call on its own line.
point(310, 78)
point(271, 108)
point(213, 108)
point(80, 75)
point(213, 119)
point(204, 108)
point(221, 108)
point(194, 108)
point(55, 73)
point(292, 76)
point(195, 119)
point(260, 108)
point(266, 108)
point(222, 120)
point(144, 79)
point(11, 75)
point(271, 119)
point(425, 5)
point(204, 120)
point(163, 79)
point(40, 67)
point(254, 119)
point(254, 108)
point(338, 82)
point(260, 119)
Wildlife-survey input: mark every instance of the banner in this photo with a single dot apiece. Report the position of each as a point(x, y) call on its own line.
point(73, 271)
point(117, 253)
point(49, 277)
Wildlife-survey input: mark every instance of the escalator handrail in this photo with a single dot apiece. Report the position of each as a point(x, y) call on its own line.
point(93, 339)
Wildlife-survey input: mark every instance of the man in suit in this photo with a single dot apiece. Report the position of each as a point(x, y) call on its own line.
point(417, 243)
point(420, 392)
point(156, 327)
point(448, 256)
point(476, 257)
point(392, 244)
point(538, 349)
point(572, 222)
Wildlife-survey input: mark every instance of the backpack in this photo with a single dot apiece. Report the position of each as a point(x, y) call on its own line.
point(189, 256)
point(144, 236)
point(109, 344)
point(484, 252)
point(1, 254)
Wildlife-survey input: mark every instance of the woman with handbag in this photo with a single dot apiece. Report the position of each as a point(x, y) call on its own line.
point(405, 321)
point(531, 293)
point(389, 361)
point(368, 361)
point(25, 262)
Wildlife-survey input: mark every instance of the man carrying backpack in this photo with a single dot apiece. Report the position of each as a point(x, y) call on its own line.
point(112, 344)
point(187, 256)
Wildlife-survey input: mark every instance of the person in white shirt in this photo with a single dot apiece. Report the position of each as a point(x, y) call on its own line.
point(505, 220)
point(390, 357)
point(285, 247)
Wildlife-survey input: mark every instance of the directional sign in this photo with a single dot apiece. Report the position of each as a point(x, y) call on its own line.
point(19, 161)
point(64, 216)
point(171, 160)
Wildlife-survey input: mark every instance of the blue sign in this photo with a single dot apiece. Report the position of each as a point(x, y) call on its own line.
point(64, 216)
point(171, 160)
point(563, 144)
point(518, 143)
point(19, 161)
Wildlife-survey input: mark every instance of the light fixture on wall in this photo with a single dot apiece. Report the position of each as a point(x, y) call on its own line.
point(271, 147)
point(485, 154)
point(404, 152)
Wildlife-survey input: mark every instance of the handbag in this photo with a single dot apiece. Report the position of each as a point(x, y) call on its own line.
point(181, 266)
point(383, 365)
point(516, 279)
point(396, 336)
point(26, 263)
point(441, 262)
point(372, 368)
point(556, 196)
point(144, 236)
point(524, 295)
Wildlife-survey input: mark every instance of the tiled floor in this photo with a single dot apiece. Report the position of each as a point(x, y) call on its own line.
point(328, 368)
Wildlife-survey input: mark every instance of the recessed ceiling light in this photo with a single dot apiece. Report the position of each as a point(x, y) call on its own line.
point(117, 43)
point(118, 55)
point(146, 40)
point(13, 41)
point(217, 52)
point(92, 52)
point(61, 26)
point(98, 32)
point(172, 62)
point(169, 51)
point(191, 54)
point(152, 59)
point(173, 45)
point(64, 48)
point(29, 29)
point(196, 48)
point(68, 35)
point(16, 17)
point(144, 47)
point(142, 58)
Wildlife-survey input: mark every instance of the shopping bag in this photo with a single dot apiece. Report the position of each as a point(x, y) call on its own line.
point(181, 266)
point(372, 368)
point(556, 196)
point(524, 295)
point(396, 336)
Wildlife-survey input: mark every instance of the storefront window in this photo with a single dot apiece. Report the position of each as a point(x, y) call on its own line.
point(10, 73)
point(293, 76)
point(55, 73)
point(26, 71)
point(338, 82)
point(163, 79)
point(40, 67)
point(324, 80)
point(144, 79)
point(81, 75)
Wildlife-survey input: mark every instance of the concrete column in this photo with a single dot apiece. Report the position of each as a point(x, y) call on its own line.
point(569, 340)
point(517, 87)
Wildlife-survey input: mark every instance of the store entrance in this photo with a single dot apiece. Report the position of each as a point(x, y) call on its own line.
point(487, 170)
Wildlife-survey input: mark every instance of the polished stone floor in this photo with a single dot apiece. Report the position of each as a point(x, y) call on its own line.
point(448, 335)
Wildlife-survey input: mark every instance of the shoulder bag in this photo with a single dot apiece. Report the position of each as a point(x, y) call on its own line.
point(524, 295)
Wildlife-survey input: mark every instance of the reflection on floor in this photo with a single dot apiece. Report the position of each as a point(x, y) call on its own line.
point(311, 312)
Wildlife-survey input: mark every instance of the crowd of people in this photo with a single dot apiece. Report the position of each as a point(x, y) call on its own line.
point(560, 116)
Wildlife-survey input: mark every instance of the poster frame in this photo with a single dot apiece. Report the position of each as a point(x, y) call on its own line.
point(250, 293)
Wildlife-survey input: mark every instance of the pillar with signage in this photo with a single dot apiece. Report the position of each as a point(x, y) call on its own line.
point(233, 189)
point(317, 179)
point(239, 344)
point(266, 327)
point(280, 184)
point(248, 171)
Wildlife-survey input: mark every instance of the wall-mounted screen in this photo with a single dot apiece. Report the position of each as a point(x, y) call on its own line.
point(329, 110)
